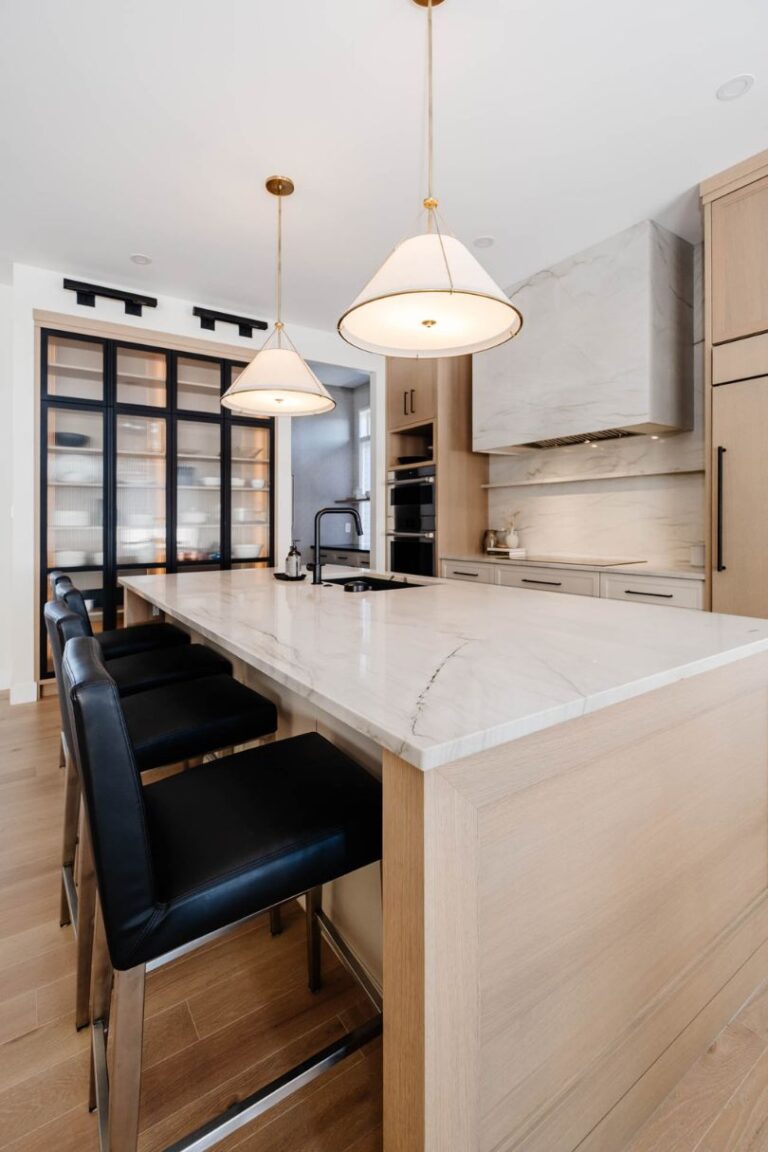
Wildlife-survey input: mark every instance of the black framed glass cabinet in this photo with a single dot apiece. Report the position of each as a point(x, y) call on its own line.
point(142, 470)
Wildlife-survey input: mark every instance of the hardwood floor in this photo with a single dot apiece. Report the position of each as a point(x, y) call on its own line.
point(237, 1013)
point(218, 1023)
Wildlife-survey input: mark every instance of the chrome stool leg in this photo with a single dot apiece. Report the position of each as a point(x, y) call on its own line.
point(86, 910)
point(68, 908)
point(314, 901)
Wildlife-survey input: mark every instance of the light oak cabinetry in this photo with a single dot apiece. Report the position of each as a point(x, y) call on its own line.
point(736, 360)
point(739, 248)
point(411, 391)
point(740, 478)
point(429, 419)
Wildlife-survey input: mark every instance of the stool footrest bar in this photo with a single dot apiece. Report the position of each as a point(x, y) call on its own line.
point(101, 1081)
point(244, 1111)
point(70, 891)
point(349, 960)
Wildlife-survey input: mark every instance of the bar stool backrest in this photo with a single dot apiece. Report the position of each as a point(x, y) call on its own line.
point(73, 598)
point(112, 794)
point(61, 624)
point(59, 581)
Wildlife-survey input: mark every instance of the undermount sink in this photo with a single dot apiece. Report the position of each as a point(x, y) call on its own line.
point(372, 583)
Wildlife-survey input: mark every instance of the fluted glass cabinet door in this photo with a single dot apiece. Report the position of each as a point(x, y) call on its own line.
point(198, 491)
point(75, 497)
point(141, 377)
point(75, 369)
point(141, 496)
point(250, 496)
point(198, 385)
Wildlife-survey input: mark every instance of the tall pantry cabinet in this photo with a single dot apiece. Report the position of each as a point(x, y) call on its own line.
point(735, 207)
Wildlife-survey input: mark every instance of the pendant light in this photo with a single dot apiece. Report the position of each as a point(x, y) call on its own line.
point(431, 297)
point(277, 382)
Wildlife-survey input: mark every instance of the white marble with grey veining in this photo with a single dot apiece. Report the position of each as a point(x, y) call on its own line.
point(605, 344)
point(447, 670)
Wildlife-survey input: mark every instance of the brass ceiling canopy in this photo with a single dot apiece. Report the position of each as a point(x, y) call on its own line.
point(280, 185)
point(425, 3)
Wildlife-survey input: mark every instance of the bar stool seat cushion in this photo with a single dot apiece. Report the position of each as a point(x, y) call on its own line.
point(140, 638)
point(251, 830)
point(159, 666)
point(184, 721)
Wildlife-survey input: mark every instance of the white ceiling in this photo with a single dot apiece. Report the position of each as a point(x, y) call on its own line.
point(150, 126)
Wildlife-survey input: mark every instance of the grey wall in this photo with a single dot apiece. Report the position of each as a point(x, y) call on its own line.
point(323, 463)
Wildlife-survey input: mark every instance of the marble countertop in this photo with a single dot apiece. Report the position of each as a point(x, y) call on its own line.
point(442, 671)
point(637, 568)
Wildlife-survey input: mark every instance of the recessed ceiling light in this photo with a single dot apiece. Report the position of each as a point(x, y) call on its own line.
point(483, 241)
point(735, 87)
point(140, 258)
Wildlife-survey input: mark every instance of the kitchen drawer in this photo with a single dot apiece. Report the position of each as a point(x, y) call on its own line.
point(652, 590)
point(740, 359)
point(347, 559)
point(459, 570)
point(549, 579)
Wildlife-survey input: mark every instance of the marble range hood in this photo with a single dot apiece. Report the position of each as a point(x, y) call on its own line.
point(605, 350)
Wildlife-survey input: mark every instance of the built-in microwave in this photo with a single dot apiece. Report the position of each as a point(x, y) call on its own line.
point(412, 501)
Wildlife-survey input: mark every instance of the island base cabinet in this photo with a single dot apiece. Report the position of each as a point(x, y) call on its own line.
point(571, 918)
point(740, 482)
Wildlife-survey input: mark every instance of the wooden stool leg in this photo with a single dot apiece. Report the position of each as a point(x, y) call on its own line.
point(275, 920)
point(125, 1040)
point(101, 989)
point(85, 917)
point(69, 840)
point(314, 901)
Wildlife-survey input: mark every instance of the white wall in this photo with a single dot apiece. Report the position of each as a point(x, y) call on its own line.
point(41, 289)
point(638, 498)
point(5, 483)
point(323, 471)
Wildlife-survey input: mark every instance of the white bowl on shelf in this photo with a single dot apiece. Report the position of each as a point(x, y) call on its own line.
point(247, 551)
point(97, 558)
point(258, 484)
point(193, 518)
point(211, 481)
point(238, 482)
point(70, 558)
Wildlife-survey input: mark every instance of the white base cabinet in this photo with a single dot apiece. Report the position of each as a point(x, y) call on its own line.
point(664, 591)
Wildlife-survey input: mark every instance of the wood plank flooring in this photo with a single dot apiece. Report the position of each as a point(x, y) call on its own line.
point(234, 1015)
point(219, 1023)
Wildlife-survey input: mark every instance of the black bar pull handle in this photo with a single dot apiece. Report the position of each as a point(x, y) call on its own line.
point(413, 396)
point(405, 403)
point(719, 530)
point(658, 595)
point(548, 583)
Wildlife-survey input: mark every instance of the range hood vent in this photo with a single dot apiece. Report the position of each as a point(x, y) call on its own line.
point(606, 350)
point(586, 438)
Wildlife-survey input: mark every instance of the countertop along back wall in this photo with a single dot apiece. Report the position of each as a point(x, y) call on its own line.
point(648, 503)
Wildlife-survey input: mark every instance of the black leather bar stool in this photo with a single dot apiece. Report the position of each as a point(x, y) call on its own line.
point(118, 641)
point(193, 855)
point(174, 722)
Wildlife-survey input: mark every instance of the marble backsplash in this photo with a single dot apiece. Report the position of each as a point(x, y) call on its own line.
point(638, 496)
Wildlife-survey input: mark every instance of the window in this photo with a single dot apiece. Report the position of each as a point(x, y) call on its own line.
point(364, 472)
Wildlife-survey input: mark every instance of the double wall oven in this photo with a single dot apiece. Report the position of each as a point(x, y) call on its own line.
point(411, 520)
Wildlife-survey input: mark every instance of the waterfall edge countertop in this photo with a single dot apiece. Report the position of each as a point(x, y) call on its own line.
point(446, 670)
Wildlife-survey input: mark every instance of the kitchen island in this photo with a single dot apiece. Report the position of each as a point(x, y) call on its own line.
point(575, 854)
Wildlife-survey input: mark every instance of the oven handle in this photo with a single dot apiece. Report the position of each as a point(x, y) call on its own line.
point(412, 535)
point(417, 480)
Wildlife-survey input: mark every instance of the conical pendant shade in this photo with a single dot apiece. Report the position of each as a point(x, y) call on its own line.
point(430, 298)
point(277, 382)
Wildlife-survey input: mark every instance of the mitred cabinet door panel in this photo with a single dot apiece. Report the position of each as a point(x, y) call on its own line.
point(740, 263)
point(740, 489)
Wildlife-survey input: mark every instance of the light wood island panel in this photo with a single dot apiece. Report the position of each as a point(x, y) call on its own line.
point(584, 911)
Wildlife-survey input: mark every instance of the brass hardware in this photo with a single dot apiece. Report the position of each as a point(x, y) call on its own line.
point(430, 203)
point(425, 3)
point(429, 323)
point(280, 185)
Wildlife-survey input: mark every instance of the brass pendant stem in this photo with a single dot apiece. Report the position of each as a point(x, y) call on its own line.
point(279, 285)
point(430, 108)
